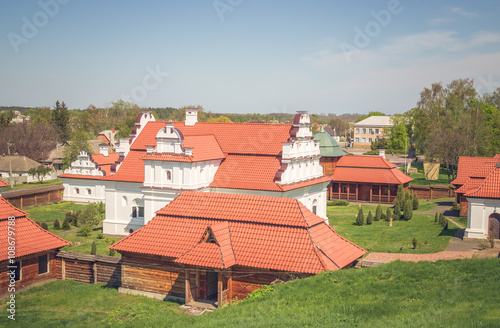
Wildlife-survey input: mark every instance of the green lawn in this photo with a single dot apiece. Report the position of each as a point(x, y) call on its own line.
point(455, 293)
point(84, 244)
point(49, 212)
point(380, 237)
point(34, 185)
point(353, 208)
point(419, 177)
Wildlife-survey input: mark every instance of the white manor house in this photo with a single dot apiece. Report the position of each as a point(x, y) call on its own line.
point(162, 159)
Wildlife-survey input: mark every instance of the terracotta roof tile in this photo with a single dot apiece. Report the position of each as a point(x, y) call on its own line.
point(248, 229)
point(467, 166)
point(490, 188)
point(205, 148)
point(370, 169)
point(3, 184)
point(30, 238)
point(131, 169)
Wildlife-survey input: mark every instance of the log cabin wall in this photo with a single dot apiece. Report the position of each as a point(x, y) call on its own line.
point(89, 268)
point(30, 197)
point(153, 274)
point(29, 272)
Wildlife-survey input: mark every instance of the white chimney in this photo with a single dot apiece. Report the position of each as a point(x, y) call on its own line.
point(191, 116)
point(188, 151)
point(103, 149)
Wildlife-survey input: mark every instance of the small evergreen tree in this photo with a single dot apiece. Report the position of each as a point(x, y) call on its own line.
point(414, 242)
point(93, 249)
point(360, 219)
point(443, 222)
point(378, 213)
point(491, 239)
point(408, 195)
point(408, 213)
point(388, 214)
point(112, 252)
point(397, 212)
point(44, 226)
point(400, 197)
point(436, 217)
point(369, 218)
point(57, 224)
point(415, 202)
point(65, 225)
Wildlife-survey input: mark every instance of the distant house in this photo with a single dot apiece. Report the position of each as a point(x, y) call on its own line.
point(370, 129)
point(367, 178)
point(20, 165)
point(34, 258)
point(217, 247)
point(108, 137)
point(56, 155)
point(478, 181)
point(19, 118)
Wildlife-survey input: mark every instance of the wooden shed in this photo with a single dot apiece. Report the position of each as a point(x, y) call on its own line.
point(214, 247)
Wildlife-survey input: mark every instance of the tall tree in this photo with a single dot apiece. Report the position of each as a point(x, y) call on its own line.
point(60, 120)
point(29, 139)
point(78, 143)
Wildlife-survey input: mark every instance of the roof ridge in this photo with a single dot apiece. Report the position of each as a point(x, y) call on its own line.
point(482, 183)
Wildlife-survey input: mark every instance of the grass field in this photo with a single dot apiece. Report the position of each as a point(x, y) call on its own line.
point(34, 185)
point(419, 177)
point(380, 237)
point(49, 212)
point(84, 244)
point(459, 293)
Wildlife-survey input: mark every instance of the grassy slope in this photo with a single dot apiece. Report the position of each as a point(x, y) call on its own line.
point(48, 213)
point(460, 293)
point(23, 186)
point(84, 244)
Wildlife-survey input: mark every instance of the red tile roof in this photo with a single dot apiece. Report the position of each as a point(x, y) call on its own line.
point(3, 184)
point(235, 138)
point(104, 162)
point(205, 148)
point(490, 187)
point(368, 169)
point(103, 138)
point(77, 176)
point(29, 237)
point(254, 231)
point(468, 165)
point(131, 169)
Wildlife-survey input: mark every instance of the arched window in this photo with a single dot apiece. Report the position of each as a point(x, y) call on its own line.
point(169, 175)
point(89, 192)
point(315, 206)
point(77, 191)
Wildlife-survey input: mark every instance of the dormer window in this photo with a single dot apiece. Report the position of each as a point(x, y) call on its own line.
point(209, 237)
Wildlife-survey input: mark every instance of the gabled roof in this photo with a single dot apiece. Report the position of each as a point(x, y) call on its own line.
point(205, 148)
point(375, 121)
point(468, 165)
point(105, 162)
point(30, 238)
point(3, 184)
point(18, 163)
point(254, 231)
point(477, 177)
point(490, 187)
point(131, 169)
point(368, 169)
point(328, 147)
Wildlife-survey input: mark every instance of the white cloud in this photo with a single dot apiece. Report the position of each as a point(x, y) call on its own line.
point(462, 12)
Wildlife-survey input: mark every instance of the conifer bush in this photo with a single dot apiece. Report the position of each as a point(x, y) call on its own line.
point(112, 252)
point(44, 226)
point(369, 218)
point(378, 213)
point(388, 214)
point(360, 219)
point(415, 202)
point(57, 224)
point(400, 196)
point(408, 213)
point(436, 217)
point(65, 224)
point(93, 249)
point(397, 212)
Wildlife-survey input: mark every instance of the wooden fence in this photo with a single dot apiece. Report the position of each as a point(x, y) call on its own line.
point(90, 269)
point(432, 191)
point(35, 196)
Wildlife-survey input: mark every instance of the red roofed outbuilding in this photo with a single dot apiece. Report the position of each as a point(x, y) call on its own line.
point(367, 178)
point(26, 250)
point(213, 246)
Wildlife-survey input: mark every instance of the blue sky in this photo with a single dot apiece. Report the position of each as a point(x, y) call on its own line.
point(244, 56)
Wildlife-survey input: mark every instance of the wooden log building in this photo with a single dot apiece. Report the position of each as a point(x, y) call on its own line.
point(215, 247)
point(28, 252)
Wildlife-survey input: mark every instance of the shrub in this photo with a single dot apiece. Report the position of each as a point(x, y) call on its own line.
point(90, 216)
point(369, 218)
point(408, 195)
point(388, 214)
point(483, 244)
point(414, 242)
point(112, 252)
point(100, 236)
point(397, 212)
point(44, 226)
point(57, 224)
point(360, 219)
point(400, 196)
point(436, 217)
point(102, 209)
point(378, 213)
point(455, 207)
point(415, 202)
point(93, 249)
point(84, 231)
point(65, 225)
point(38, 222)
point(443, 222)
point(491, 239)
point(408, 213)
point(383, 217)
point(339, 202)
